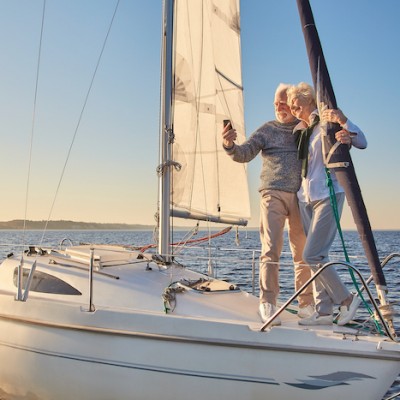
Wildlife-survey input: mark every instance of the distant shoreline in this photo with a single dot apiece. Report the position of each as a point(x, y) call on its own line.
point(18, 224)
point(63, 225)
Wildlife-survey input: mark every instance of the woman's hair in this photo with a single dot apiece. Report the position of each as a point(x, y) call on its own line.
point(303, 91)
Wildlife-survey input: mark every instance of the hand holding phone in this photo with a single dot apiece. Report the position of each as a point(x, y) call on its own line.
point(227, 122)
point(228, 134)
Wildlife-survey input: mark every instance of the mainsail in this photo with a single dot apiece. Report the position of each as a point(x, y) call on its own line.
point(207, 88)
point(341, 156)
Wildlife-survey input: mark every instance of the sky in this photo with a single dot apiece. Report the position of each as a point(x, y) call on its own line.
point(111, 171)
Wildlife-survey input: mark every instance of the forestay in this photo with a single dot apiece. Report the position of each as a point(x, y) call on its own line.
point(207, 90)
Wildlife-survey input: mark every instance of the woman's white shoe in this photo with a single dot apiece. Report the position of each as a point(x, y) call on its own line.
point(347, 312)
point(317, 319)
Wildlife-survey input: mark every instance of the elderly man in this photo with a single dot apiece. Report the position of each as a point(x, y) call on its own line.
point(280, 181)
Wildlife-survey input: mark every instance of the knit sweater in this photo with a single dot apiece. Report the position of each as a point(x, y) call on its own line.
point(281, 170)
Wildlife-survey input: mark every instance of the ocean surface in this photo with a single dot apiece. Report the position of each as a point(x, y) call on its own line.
point(233, 256)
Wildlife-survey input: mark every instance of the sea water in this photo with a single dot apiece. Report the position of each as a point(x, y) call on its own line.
point(233, 256)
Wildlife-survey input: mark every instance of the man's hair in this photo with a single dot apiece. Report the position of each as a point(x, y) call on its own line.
point(282, 87)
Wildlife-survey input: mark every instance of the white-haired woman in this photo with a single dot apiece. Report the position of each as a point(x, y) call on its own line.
point(314, 201)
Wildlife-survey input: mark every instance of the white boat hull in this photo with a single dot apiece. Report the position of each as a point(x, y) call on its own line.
point(59, 350)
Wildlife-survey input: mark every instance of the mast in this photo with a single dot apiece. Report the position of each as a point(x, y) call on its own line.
point(166, 131)
point(345, 172)
point(201, 86)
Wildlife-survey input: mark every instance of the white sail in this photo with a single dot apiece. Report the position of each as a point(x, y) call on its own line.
point(207, 90)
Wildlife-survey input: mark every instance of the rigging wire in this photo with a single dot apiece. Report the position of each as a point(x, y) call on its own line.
point(80, 119)
point(33, 122)
point(198, 141)
point(21, 296)
point(160, 127)
point(196, 104)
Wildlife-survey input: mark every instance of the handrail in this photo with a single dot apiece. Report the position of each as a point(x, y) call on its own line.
point(384, 262)
point(29, 281)
point(64, 240)
point(91, 266)
point(19, 279)
point(22, 293)
point(316, 274)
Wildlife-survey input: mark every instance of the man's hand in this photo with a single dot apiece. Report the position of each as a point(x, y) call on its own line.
point(229, 135)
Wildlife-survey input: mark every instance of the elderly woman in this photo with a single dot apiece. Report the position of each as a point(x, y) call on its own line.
point(314, 201)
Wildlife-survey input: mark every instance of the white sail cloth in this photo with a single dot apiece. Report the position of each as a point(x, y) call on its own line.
point(207, 90)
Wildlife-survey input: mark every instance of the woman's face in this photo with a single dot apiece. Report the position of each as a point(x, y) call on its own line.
point(301, 109)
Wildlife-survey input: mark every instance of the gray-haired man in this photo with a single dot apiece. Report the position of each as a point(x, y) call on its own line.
point(280, 181)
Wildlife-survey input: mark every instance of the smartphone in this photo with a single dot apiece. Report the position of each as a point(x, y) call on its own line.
point(227, 122)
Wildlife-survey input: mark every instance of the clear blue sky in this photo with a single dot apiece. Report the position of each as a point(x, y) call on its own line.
point(111, 174)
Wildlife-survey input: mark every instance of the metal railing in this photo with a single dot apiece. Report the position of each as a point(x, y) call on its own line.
point(382, 320)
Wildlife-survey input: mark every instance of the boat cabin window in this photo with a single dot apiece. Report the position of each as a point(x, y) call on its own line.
point(46, 283)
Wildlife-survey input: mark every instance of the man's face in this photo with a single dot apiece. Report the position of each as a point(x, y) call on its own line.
point(282, 110)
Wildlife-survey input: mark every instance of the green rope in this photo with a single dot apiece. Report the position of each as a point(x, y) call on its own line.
point(332, 196)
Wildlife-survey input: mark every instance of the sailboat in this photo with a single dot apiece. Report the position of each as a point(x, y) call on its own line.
point(104, 322)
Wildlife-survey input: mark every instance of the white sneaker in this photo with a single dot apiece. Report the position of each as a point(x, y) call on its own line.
point(317, 319)
point(347, 312)
point(267, 310)
point(305, 312)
